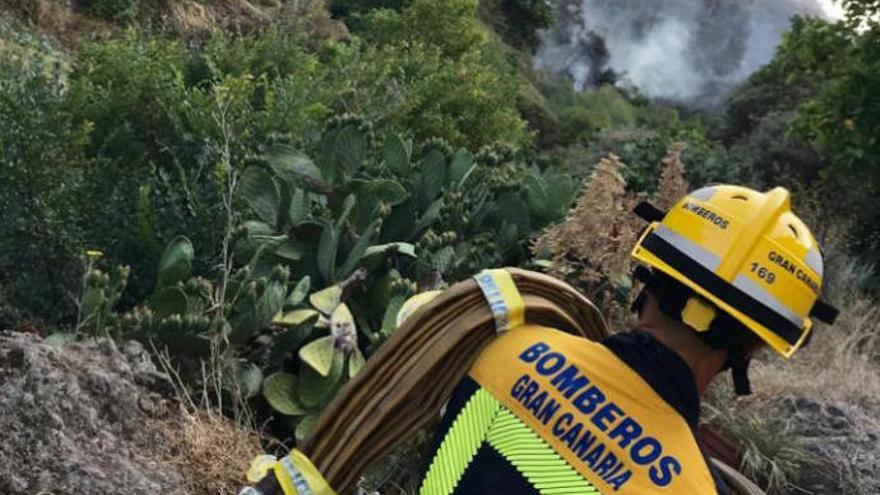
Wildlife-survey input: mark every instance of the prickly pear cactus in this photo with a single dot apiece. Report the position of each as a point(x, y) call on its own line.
point(281, 392)
point(176, 262)
point(101, 291)
point(336, 231)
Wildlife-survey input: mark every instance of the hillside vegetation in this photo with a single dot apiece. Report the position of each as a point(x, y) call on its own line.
point(254, 188)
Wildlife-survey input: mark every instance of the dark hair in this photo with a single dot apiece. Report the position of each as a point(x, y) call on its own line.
point(725, 332)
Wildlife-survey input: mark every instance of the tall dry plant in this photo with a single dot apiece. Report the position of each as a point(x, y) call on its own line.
point(672, 185)
point(591, 248)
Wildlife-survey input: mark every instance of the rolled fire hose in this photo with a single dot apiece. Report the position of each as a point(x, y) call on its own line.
point(405, 383)
point(403, 386)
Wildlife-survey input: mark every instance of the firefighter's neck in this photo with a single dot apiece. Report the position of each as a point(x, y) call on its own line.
point(703, 361)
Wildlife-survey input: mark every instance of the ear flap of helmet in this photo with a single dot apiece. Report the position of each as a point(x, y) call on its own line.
point(643, 275)
point(698, 313)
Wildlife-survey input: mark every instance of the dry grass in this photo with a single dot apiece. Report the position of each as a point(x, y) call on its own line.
point(44, 13)
point(193, 19)
point(210, 451)
point(840, 367)
point(770, 452)
point(842, 362)
point(190, 19)
point(57, 19)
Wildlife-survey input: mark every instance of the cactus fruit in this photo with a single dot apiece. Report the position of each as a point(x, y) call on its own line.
point(169, 301)
point(436, 144)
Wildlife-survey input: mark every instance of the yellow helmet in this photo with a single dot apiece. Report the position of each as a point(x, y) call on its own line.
point(746, 253)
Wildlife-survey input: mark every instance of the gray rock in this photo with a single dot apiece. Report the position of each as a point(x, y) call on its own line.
point(843, 440)
point(77, 420)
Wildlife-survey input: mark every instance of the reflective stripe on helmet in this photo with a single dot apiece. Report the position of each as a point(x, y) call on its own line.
point(715, 286)
point(703, 194)
point(745, 284)
point(814, 261)
point(694, 251)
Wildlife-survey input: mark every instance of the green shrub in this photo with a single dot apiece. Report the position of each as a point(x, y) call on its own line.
point(451, 26)
point(518, 21)
point(586, 114)
point(352, 8)
point(450, 78)
point(115, 10)
point(141, 124)
point(583, 116)
point(40, 171)
point(324, 252)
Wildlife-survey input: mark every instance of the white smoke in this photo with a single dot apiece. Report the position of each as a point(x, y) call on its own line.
point(689, 51)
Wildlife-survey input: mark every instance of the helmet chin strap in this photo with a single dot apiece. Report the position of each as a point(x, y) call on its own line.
point(703, 314)
point(739, 370)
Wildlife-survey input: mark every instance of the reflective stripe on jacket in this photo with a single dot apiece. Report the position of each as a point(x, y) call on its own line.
point(546, 412)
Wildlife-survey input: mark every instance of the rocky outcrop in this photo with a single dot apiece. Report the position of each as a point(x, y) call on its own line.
point(77, 420)
point(843, 440)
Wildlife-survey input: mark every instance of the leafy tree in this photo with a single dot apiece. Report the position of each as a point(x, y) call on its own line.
point(452, 25)
point(355, 8)
point(453, 79)
point(842, 120)
point(43, 155)
point(518, 21)
point(809, 118)
point(122, 10)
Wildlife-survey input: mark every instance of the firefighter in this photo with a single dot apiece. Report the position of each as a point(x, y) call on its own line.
point(726, 271)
